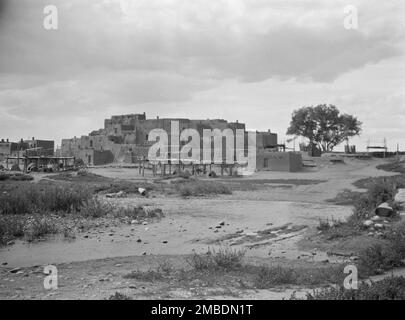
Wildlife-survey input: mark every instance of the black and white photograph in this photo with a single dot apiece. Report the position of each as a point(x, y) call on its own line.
point(220, 152)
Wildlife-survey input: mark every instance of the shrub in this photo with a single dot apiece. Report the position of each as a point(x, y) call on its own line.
point(223, 259)
point(39, 227)
point(10, 228)
point(377, 258)
point(391, 288)
point(96, 208)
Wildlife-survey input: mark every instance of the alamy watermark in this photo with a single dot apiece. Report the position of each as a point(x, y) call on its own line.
point(216, 146)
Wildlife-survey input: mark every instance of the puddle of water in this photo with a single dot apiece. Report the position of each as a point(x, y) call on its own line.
point(186, 226)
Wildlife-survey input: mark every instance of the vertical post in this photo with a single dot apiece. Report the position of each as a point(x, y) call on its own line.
point(222, 169)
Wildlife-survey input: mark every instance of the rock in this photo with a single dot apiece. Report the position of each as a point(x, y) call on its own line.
point(10, 243)
point(119, 194)
point(400, 196)
point(368, 223)
point(15, 270)
point(370, 234)
point(4, 264)
point(144, 253)
point(164, 241)
point(384, 210)
point(379, 226)
point(376, 218)
point(139, 240)
point(142, 191)
point(145, 223)
point(134, 222)
point(222, 223)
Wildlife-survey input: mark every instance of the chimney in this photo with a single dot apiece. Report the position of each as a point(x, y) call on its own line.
point(33, 138)
point(157, 117)
point(237, 121)
point(8, 140)
point(2, 140)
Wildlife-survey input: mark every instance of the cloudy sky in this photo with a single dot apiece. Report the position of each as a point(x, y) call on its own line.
point(249, 60)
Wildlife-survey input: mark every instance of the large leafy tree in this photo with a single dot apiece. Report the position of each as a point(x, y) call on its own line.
point(323, 125)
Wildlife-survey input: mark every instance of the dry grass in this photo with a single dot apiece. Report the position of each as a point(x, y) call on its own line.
point(268, 277)
point(201, 188)
point(391, 288)
point(222, 259)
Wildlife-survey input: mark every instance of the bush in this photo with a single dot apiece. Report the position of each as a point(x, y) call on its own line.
point(378, 191)
point(10, 227)
point(392, 288)
point(39, 227)
point(96, 208)
point(223, 259)
point(377, 258)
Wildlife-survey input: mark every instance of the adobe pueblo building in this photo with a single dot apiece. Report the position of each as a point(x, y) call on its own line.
point(124, 139)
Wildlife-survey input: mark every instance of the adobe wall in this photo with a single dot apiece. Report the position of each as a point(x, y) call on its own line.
point(279, 161)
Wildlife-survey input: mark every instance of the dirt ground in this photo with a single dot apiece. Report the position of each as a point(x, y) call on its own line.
point(269, 214)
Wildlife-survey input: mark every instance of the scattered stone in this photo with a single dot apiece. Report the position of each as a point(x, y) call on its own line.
point(379, 226)
point(384, 210)
point(132, 287)
point(400, 196)
point(10, 243)
point(222, 223)
point(134, 222)
point(144, 253)
point(139, 240)
point(142, 191)
point(118, 265)
point(218, 227)
point(145, 223)
point(4, 264)
point(376, 218)
point(164, 241)
point(368, 223)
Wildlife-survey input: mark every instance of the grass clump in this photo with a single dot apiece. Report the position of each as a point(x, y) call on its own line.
point(202, 188)
point(222, 259)
point(391, 288)
point(40, 226)
point(94, 207)
point(119, 296)
point(163, 270)
point(268, 277)
point(11, 227)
